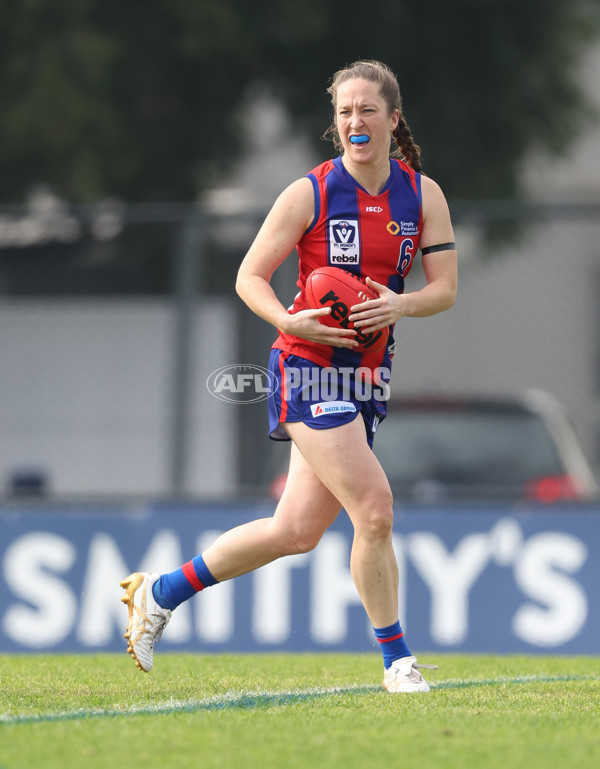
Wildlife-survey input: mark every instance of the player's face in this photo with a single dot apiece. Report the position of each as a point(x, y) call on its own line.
point(363, 121)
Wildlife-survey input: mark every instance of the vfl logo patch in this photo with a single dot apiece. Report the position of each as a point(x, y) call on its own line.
point(344, 247)
point(331, 407)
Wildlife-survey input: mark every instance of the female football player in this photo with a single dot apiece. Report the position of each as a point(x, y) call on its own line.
point(368, 210)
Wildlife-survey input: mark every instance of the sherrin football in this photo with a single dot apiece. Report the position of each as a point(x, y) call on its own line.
point(340, 290)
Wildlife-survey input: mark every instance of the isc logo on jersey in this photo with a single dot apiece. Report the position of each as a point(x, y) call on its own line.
point(344, 247)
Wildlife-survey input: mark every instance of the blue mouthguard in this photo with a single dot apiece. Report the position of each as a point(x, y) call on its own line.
point(359, 139)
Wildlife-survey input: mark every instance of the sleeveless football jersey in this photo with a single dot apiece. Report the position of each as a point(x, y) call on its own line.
point(369, 235)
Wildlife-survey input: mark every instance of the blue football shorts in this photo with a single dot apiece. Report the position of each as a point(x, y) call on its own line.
point(321, 397)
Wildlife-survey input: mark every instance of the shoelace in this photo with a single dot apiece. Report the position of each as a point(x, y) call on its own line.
point(414, 669)
point(159, 626)
point(414, 673)
point(155, 629)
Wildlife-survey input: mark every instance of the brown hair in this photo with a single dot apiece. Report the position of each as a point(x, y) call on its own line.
point(389, 90)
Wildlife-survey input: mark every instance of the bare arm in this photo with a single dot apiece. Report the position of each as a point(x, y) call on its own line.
point(440, 272)
point(283, 227)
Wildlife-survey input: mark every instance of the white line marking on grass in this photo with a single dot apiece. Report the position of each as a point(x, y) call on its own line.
point(459, 683)
point(256, 700)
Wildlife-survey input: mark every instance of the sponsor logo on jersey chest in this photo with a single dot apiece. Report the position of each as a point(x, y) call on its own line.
point(403, 228)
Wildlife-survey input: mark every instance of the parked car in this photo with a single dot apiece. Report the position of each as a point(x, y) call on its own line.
point(459, 448)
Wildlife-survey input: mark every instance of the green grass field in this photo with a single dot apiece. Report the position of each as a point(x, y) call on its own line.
point(302, 711)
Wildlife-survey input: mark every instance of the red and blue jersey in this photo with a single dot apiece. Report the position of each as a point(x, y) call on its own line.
point(369, 235)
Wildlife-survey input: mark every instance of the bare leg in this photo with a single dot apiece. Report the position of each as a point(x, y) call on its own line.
point(305, 511)
point(342, 460)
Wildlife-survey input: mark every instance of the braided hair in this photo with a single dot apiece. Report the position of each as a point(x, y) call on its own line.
point(377, 72)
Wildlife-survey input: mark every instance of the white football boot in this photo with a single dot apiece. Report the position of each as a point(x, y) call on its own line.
point(403, 676)
point(147, 619)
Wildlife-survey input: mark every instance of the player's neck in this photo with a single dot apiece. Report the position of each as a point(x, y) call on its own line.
point(371, 177)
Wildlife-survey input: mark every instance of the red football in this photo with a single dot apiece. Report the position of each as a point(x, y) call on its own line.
point(340, 290)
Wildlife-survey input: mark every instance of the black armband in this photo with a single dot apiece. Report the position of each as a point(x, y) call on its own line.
point(440, 247)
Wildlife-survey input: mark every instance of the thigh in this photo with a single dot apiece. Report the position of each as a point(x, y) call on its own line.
point(344, 463)
point(306, 504)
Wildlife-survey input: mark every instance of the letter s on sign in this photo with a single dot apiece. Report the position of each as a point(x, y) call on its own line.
point(28, 566)
point(564, 607)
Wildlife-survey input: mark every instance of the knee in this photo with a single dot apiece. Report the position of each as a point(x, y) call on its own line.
point(378, 525)
point(293, 540)
point(301, 542)
point(375, 519)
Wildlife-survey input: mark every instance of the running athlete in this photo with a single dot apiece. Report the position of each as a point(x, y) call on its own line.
point(368, 211)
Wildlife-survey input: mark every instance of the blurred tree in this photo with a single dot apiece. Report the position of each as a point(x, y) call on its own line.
point(143, 100)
